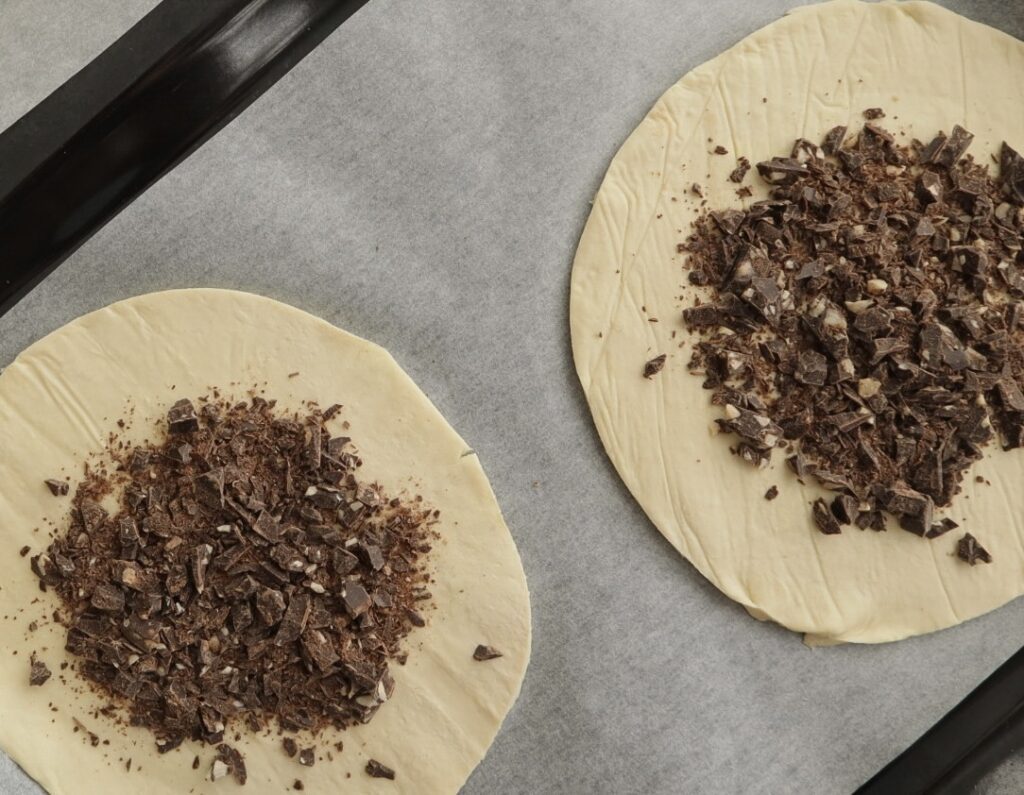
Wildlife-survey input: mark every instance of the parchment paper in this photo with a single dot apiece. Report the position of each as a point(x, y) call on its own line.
point(421, 180)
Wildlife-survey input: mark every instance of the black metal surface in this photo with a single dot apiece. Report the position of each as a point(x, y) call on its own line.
point(971, 740)
point(152, 98)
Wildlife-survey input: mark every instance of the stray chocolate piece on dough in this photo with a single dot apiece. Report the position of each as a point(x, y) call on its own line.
point(772, 493)
point(377, 770)
point(970, 551)
point(58, 488)
point(254, 579)
point(653, 367)
point(482, 653)
point(721, 150)
point(181, 418)
point(824, 518)
point(740, 171)
point(38, 673)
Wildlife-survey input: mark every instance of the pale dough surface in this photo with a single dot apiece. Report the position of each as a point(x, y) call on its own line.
point(60, 398)
point(815, 68)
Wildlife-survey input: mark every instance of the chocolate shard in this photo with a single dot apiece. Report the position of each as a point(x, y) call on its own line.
point(267, 527)
point(913, 508)
point(290, 746)
point(654, 366)
point(107, 597)
point(209, 488)
point(307, 757)
point(781, 170)
point(58, 488)
point(234, 762)
point(181, 417)
point(293, 622)
point(970, 551)
point(833, 141)
point(482, 653)
point(356, 599)
point(812, 368)
point(378, 770)
point(270, 605)
point(39, 673)
point(824, 518)
point(941, 528)
point(1011, 172)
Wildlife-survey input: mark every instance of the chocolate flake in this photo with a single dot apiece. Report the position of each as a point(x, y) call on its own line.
point(58, 488)
point(219, 598)
point(870, 310)
point(378, 770)
point(653, 367)
point(483, 653)
point(970, 551)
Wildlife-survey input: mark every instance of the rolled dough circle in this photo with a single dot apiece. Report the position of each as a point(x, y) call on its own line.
point(59, 400)
point(818, 67)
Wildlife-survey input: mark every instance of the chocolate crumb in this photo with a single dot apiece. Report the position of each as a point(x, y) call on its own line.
point(58, 488)
point(483, 653)
point(653, 367)
point(24, 550)
point(970, 551)
point(377, 770)
point(772, 493)
point(195, 763)
point(290, 746)
point(721, 150)
point(737, 175)
point(307, 757)
point(298, 785)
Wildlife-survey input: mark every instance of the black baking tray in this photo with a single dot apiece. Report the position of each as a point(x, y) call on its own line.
point(147, 102)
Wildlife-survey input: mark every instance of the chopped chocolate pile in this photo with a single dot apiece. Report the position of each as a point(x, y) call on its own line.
point(866, 319)
point(970, 551)
point(247, 577)
point(654, 366)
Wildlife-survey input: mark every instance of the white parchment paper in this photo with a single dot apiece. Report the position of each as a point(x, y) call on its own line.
point(421, 180)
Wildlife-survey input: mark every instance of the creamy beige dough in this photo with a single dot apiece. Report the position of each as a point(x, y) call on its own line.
point(60, 398)
point(815, 68)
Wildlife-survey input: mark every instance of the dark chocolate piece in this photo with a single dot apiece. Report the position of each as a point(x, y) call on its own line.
point(377, 770)
point(970, 551)
point(824, 519)
point(483, 653)
point(874, 113)
point(58, 488)
point(181, 418)
point(653, 367)
point(772, 493)
point(307, 757)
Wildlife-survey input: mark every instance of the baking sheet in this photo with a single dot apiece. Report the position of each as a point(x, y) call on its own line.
point(421, 180)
